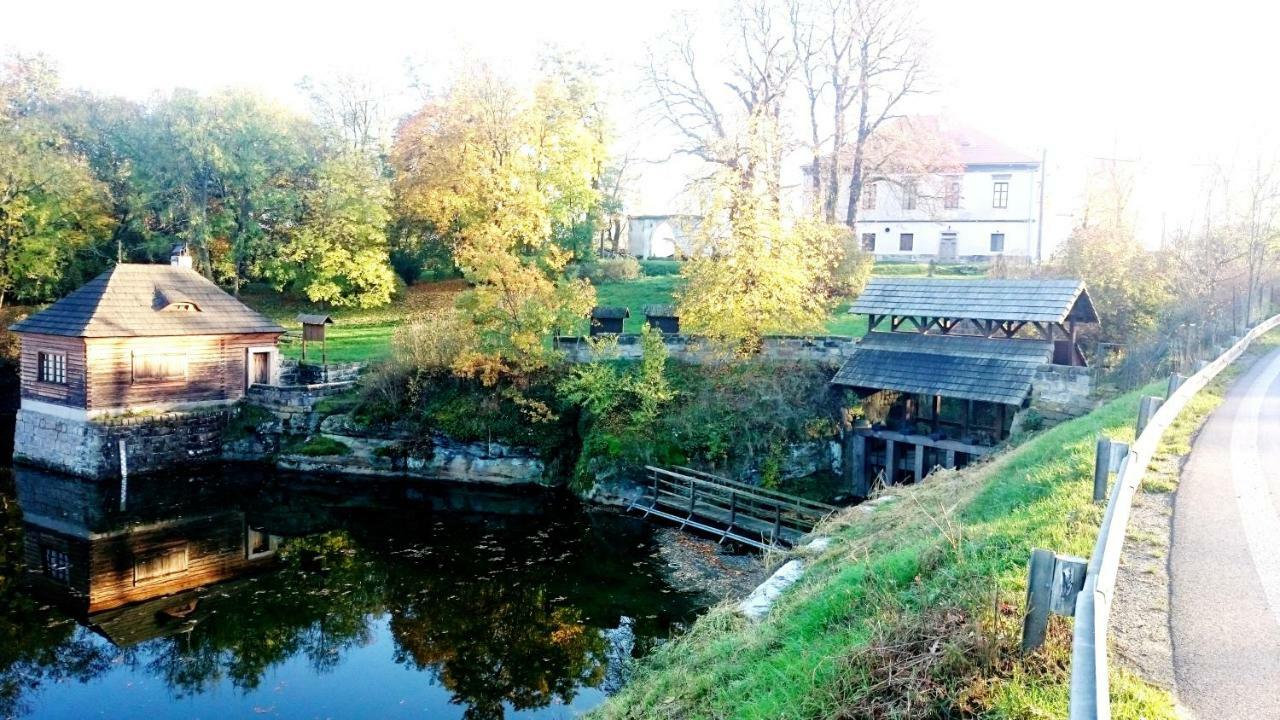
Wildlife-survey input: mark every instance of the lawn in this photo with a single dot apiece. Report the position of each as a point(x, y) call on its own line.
point(360, 334)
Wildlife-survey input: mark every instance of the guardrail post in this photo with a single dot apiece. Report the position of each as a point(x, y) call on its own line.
point(1039, 599)
point(1101, 469)
point(1146, 408)
point(1106, 460)
point(1053, 582)
point(1175, 382)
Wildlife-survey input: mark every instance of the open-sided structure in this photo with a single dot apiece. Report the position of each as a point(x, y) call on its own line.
point(947, 364)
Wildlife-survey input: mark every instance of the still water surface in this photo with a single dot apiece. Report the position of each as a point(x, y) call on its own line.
point(269, 596)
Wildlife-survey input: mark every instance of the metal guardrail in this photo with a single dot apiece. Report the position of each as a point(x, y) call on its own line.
point(1090, 685)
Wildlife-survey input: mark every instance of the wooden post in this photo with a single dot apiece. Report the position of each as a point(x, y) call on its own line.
point(1175, 382)
point(1101, 469)
point(861, 486)
point(1146, 408)
point(937, 411)
point(889, 461)
point(733, 508)
point(777, 522)
point(1039, 599)
point(919, 463)
point(951, 459)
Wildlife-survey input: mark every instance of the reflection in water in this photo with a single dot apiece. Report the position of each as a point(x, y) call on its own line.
point(375, 600)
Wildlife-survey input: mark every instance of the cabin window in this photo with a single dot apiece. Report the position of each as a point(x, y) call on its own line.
point(170, 561)
point(997, 242)
point(906, 242)
point(868, 242)
point(159, 367)
point(259, 544)
point(53, 368)
point(57, 566)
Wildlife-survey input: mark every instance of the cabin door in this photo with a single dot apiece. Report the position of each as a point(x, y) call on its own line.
point(947, 247)
point(260, 370)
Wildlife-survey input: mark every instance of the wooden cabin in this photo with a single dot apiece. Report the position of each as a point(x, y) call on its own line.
point(663, 317)
point(947, 364)
point(144, 337)
point(608, 319)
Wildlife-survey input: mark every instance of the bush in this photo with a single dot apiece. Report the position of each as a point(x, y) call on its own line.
point(618, 269)
point(434, 342)
point(656, 268)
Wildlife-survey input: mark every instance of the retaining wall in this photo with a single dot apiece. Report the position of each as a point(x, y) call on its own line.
point(694, 349)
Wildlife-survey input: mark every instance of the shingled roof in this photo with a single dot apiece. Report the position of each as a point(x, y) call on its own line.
point(1015, 300)
point(964, 367)
point(139, 300)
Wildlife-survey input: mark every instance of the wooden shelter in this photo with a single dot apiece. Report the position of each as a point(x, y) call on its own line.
point(608, 319)
point(313, 330)
point(143, 337)
point(947, 363)
point(663, 317)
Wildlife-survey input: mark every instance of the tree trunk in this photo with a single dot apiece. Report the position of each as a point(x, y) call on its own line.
point(855, 175)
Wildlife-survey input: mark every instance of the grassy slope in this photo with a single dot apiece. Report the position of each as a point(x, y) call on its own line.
point(945, 564)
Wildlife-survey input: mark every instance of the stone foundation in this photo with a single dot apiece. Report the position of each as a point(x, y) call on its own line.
point(1060, 392)
point(91, 448)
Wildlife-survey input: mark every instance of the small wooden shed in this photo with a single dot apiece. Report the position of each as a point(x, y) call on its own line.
point(313, 330)
point(663, 317)
point(608, 319)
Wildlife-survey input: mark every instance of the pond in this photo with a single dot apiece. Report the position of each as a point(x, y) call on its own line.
point(247, 594)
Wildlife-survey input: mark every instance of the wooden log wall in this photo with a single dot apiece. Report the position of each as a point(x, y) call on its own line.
point(71, 394)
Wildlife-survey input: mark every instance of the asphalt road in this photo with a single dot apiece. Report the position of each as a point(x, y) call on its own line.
point(1224, 562)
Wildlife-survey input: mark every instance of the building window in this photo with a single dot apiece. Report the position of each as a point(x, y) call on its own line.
point(1000, 193)
point(869, 196)
point(53, 368)
point(952, 197)
point(868, 242)
point(259, 544)
point(997, 242)
point(909, 195)
point(159, 367)
point(57, 566)
point(906, 242)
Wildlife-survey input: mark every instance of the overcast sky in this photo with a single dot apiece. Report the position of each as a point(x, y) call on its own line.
point(1169, 86)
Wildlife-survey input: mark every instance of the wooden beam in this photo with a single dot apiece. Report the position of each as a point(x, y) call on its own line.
point(890, 460)
point(919, 463)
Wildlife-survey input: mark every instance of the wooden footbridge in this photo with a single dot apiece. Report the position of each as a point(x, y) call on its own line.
point(728, 509)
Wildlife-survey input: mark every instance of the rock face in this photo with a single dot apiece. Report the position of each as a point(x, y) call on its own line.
point(477, 462)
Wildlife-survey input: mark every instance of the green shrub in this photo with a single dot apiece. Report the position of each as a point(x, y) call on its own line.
point(656, 268)
point(246, 420)
point(605, 270)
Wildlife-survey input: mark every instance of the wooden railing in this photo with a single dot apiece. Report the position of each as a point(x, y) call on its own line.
point(732, 510)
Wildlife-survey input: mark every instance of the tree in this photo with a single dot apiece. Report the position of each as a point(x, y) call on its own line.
point(51, 205)
point(338, 253)
point(350, 108)
point(483, 170)
point(1260, 229)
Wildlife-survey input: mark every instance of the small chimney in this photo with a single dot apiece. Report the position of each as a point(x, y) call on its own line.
point(180, 256)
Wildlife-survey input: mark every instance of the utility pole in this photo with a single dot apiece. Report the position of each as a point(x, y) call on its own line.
point(1044, 157)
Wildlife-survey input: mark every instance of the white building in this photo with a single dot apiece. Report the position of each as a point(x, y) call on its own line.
point(988, 207)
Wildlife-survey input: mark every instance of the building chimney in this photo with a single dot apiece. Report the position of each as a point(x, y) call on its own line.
point(180, 256)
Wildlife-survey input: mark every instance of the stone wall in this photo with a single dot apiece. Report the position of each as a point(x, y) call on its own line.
point(834, 349)
point(1061, 391)
point(293, 372)
point(91, 448)
point(293, 404)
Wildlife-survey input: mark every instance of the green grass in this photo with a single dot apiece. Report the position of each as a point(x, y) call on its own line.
point(941, 569)
point(884, 268)
point(317, 446)
point(635, 294)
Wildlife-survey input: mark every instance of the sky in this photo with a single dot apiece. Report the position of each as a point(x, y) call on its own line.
point(1169, 89)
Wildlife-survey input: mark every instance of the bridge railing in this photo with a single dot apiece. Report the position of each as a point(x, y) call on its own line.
point(1090, 686)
